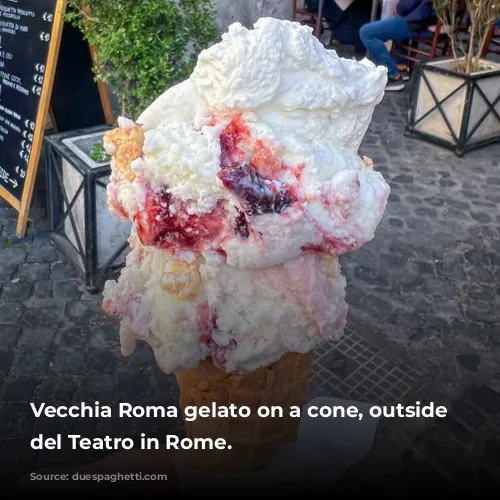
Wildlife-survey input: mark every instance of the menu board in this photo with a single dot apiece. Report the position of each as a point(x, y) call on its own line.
point(30, 34)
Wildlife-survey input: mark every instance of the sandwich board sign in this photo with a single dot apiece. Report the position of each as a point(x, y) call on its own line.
point(46, 67)
point(30, 35)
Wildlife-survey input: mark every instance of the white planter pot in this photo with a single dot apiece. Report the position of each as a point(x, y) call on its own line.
point(91, 238)
point(455, 110)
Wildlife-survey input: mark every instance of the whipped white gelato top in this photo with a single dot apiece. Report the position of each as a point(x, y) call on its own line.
point(285, 77)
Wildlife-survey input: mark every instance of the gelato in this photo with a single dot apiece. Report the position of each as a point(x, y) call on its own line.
point(244, 184)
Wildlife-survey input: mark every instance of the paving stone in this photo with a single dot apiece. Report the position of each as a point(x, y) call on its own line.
point(16, 459)
point(100, 387)
point(418, 474)
point(19, 389)
point(482, 311)
point(36, 338)
point(62, 271)
point(46, 316)
point(34, 272)
point(446, 308)
point(478, 292)
point(435, 201)
point(376, 304)
point(495, 181)
point(438, 446)
point(392, 261)
point(81, 311)
point(484, 397)
point(370, 276)
point(481, 217)
point(402, 249)
point(424, 268)
point(55, 388)
point(451, 269)
point(8, 230)
point(476, 258)
point(439, 287)
point(470, 194)
point(494, 198)
point(479, 274)
point(468, 414)
point(9, 335)
point(459, 215)
point(410, 281)
point(74, 336)
point(109, 333)
point(142, 356)
point(459, 205)
point(42, 250)
point(470, 362)
point(12, 256)
point(16, 421)
point(425, 212)
point(16, 292)
point(69, 290)
point(6, 360)
point(137, 383)
point(102, 361)
point(10, 314)
point(453, 427)
point(50, 426)
point(403, 179)
point(393, 221)
point(7, 272)
point(412, 200)
point(165, 386)
point(69, 362)
point(43, 290)
point(31, 362)
point(447, 183)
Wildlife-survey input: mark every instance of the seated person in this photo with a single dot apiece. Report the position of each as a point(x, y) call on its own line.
point(412, 20)
point(345, 24)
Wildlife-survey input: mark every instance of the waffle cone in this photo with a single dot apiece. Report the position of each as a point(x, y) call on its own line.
point(254, 440)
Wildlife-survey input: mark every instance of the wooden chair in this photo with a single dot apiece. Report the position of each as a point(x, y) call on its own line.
point(492, 45)
point(423, 48)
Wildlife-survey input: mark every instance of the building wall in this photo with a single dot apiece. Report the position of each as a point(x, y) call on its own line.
point(248, 11)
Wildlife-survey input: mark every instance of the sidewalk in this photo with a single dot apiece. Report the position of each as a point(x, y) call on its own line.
point(423, 324)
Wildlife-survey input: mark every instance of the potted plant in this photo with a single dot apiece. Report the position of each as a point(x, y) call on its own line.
point(140, 48)
point(455, 101)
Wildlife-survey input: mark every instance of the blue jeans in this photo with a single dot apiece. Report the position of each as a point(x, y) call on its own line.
point(375, 34)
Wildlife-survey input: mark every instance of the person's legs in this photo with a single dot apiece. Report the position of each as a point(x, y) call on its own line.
point(359, 48)
point(374, 35)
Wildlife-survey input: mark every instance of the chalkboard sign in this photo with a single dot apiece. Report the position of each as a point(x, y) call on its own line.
point(30, 35)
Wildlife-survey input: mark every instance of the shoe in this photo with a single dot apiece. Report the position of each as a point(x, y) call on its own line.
point(404, 71)
point(395, 84)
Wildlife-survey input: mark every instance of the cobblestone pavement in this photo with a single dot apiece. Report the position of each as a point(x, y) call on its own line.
point(423, 324)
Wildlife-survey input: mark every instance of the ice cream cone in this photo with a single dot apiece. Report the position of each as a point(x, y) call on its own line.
point(254, 440)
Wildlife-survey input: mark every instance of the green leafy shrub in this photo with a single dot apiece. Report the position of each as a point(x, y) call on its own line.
point(144, 46)
point(98, 154)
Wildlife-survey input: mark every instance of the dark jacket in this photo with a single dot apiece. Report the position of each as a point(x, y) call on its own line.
point(419, 14)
